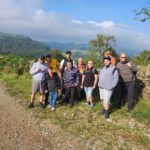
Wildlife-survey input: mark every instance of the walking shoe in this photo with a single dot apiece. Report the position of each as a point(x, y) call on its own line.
point(31, 105)
point(42, 105)
point(87, 103)
point(106, 114)
point(49, 106)
point(91, 104)
point(53, 108)
point(102, 112)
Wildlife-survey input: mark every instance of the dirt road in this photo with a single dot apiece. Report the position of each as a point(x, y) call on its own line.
point(19, 130)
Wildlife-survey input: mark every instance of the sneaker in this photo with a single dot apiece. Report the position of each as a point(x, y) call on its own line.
point(106, 114)
point(88, 104)
point(102, 112)
point(42, 105)
point(91, 104)
point(31, 105)
point(49, 106)
point(53, 108)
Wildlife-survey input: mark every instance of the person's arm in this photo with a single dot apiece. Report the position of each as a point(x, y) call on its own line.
point(132, 66)
point(95, 80)
point(34, 69)
point(77, 79)
point(115, 78)
point(61, 64)
point(82, 81)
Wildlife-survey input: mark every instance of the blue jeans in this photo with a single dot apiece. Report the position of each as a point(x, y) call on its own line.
point(52, 98)
point(88, 92)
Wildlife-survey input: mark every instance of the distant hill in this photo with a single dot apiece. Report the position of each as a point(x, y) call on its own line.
point(67, 46)
point(21, 45)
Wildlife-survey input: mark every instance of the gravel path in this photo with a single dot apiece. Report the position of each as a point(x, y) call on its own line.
point(19, 130)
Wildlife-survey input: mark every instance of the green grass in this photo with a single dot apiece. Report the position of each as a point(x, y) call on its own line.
point(85, 123)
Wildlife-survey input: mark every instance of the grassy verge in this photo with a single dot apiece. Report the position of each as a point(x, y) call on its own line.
point(126, 131)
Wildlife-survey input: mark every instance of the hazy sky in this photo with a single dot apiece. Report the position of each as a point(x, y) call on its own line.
point(76, 20)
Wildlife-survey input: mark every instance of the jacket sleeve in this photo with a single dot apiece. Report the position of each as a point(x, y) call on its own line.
point(133, 68)
point(77, 78)
point(34, 69)
point(115, 78)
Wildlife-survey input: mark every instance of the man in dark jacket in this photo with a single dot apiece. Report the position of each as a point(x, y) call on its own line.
point(127, 71)
point(71, 81)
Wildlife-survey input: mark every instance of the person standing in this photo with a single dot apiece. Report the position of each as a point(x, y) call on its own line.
point(38, 71)
point(71, 81)
point(108, 79)
point(53, 86)
point(54, 65)
point(63, 63)
point(89, 82)
point(110, 54)
point(81, 68)
point(127, 72)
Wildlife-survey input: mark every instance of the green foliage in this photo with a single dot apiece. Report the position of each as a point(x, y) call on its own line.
point(57, 54)
point(143, 58)
point(99, 45)
point(85, 122)
point(20, 45)
point(143, 14)
point(14, 64)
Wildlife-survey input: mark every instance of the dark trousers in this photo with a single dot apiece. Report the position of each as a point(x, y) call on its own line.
point(127, 91)
point(70, 95)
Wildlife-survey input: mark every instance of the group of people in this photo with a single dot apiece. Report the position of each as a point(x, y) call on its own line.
point(72, 81)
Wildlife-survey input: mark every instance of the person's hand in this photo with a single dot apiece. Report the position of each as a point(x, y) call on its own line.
point(129, 65)
point(94, 87)
point(81, 86)
point(46, 91)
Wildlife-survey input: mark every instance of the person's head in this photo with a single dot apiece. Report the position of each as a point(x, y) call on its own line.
point(69, 65)
point(48, 57)
point(90, 64)
point(107, 53)
point(80, 61)
point(107, 61)
point(123, 57)
point(68, 55)
point(41, 59)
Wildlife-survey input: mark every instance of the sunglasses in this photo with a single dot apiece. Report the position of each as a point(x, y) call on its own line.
point(123, 57)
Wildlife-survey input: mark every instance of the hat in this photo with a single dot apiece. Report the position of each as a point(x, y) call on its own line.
point(107, 58)
point(68, 52)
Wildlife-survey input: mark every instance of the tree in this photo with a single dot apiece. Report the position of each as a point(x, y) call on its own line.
point(143, 14)
point(57, 54)
point(101, 44)
point(143, 58)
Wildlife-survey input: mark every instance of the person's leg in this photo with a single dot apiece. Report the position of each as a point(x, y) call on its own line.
point(86, 92)
point(50, 99)
point(47, 98)
point(34, 90)
point(123, 93)
point(106, 102)
point(102, 100)
point(66, 98)
point(72, 96)
point(130, 95)
point(54, 97)
point(90, 97)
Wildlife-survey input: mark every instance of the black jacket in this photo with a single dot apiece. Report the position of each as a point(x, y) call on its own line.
point(52, 84)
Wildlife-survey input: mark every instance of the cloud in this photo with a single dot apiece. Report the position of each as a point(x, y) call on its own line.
point(28, 17)
point(104, 24)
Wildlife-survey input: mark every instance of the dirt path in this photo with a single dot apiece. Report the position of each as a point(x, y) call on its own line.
point(19, 130)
